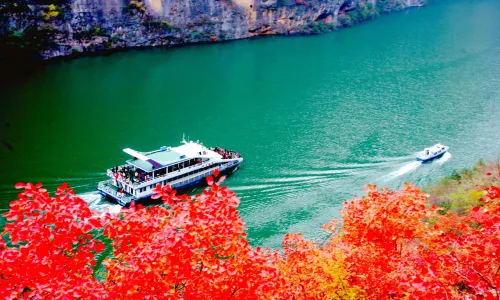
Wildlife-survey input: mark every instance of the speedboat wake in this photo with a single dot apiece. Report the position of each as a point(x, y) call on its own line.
point(444, 158)
point(407, 168)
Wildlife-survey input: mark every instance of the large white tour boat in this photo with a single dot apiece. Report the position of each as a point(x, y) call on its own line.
point(180, 167)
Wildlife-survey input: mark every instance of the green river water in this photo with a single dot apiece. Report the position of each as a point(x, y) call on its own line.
point(315, 117)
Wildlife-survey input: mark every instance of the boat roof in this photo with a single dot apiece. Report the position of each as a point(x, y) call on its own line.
point(166, 156)
point(438, 146)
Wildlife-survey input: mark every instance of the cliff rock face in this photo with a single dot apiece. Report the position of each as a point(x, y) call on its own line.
point(64, 27)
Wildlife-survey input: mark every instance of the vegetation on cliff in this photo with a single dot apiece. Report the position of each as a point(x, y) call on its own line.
point(462, 190)
point(390, 244)
point(49, 28)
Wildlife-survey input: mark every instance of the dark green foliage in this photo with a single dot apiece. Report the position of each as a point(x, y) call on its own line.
point(157, 25)
point(93, 31)
point(286, 2)
point(318, 27)
point(26, 29)
point(27, 43)
point(455, 176)
point(362, 12)
point(344, 20)
point(366, 11)
point(384, 6)
point(195, 35)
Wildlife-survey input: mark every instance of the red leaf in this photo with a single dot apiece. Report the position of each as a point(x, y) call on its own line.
point(489, 174)
point(20, 185)
point(475, 209)
point(216, 172)
point(210, 180)
point(489, 296)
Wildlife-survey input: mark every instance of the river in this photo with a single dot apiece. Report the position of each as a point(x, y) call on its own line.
point(314, 117)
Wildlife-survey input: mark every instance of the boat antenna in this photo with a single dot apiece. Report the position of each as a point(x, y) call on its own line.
point(183, 139)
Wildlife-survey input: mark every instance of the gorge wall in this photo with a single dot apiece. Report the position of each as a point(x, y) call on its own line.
point(52, 28)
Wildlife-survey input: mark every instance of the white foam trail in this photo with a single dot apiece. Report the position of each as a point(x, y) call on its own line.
point(291, 179)
point(98, 203)
point(407, 168)
point(445, 158)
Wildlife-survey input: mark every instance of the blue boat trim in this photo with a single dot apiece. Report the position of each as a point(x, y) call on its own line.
point(432, 153)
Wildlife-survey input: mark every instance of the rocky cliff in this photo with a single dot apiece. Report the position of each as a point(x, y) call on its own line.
point(51, 28)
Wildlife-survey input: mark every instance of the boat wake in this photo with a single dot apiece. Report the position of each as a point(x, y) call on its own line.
point(444, 158)
point(412, 166)
point(409, 167)
point(98, 203)
point(405, 169)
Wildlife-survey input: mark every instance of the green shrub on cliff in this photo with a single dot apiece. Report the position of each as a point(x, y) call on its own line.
point(384, 6)
point(344, 20)
point(362, 12)
point(318, 27)
point(462, 190)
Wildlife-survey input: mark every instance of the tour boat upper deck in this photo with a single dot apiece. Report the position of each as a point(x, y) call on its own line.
point(179, 167)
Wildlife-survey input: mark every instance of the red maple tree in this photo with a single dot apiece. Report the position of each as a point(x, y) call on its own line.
point(390, 244)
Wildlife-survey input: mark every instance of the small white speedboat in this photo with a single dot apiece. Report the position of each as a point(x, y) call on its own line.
point(432, 153)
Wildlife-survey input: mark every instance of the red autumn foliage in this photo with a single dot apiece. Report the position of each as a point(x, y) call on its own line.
point(391, 244)
point(53, 247)
point(188, 249)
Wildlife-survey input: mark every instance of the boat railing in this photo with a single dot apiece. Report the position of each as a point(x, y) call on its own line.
point(136, 184)
point(105, 186)
point(178, 171)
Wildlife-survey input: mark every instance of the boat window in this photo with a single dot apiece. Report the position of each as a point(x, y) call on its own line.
point(161, 172)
